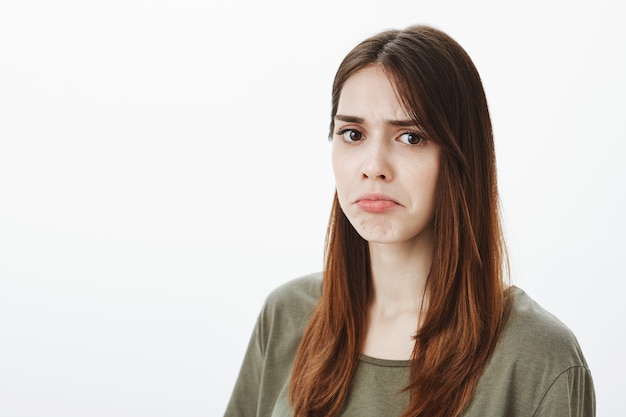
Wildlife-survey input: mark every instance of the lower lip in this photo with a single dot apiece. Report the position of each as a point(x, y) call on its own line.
point(376, 206)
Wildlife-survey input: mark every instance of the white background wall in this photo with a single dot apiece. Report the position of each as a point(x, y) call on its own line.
point(164, 165)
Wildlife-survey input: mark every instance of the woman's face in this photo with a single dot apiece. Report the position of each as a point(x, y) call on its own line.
point(385, 170)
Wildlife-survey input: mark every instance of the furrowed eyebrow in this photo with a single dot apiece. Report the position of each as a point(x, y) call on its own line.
point(355, 119)
point(349, 119)
point(401, 123)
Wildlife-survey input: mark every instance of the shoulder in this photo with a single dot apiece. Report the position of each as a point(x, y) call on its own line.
point(293, 294)
point(264, 376)
point(288, 308)
point(535, 353)
point(534, 334)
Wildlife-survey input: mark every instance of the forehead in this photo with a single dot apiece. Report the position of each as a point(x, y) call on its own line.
point(369, 93)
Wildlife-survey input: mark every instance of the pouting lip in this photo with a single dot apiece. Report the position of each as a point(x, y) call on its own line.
point(376, 197)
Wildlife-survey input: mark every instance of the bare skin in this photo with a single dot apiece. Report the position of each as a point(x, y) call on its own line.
point(398, 294)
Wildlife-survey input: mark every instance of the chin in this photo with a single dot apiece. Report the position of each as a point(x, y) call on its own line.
point(394, 236)
point(378, 237)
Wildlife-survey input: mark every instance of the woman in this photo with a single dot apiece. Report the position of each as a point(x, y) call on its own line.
point(412, 315)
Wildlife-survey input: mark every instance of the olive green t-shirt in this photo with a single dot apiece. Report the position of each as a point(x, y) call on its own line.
point(537, 368)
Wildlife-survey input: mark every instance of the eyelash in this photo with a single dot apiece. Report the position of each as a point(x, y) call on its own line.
point(342, 132)
point(418, 135)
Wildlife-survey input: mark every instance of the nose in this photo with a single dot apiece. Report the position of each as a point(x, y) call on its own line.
point(377, 161)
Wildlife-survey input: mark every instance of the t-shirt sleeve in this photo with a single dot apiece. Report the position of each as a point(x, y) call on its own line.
point(263, 381)
point(244, 399)
point(571, 395)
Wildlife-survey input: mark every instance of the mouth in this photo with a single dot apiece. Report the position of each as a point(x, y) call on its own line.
point(376, 203)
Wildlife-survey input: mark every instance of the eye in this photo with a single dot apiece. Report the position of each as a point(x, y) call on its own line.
point(411, 138)
point(350, 135)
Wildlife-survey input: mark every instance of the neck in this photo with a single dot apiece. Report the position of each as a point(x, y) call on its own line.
point(399, 274)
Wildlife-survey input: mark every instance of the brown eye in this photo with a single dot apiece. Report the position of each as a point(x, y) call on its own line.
point(351, 135)
point(411, 138)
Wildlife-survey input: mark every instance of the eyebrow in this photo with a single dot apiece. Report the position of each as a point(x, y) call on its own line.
point(354, 119)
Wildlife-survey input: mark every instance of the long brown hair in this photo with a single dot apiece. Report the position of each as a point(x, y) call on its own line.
point(441, 90)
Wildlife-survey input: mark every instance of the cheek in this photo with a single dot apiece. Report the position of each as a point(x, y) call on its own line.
point(342, 174)
point(424, 181)
point(433, 186)
point(339, 164)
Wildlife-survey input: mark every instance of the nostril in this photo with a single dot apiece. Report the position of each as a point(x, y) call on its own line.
point(382, 177)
